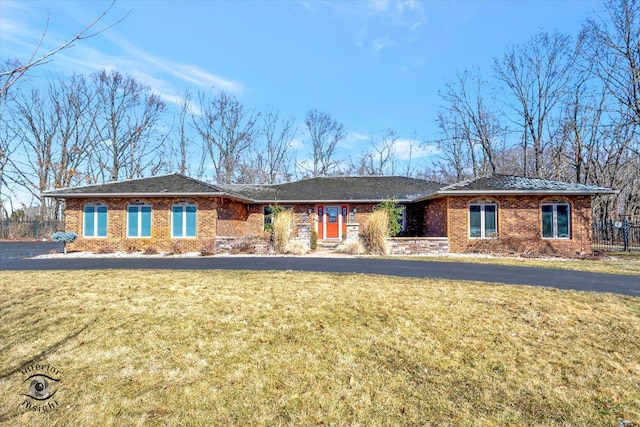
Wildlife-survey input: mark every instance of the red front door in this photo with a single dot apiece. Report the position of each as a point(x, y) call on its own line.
point(332, 222)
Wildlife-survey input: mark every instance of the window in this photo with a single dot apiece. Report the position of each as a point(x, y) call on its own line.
point(267, 213)
point(267, 216)
point(403, 217)
point(183, 220)
point(483, 220)
point(555, 221)
point(139, 221)
point(95, 221)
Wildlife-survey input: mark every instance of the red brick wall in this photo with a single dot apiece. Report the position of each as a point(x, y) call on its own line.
point(520, 225)
point(435, 218)
point(160, 240)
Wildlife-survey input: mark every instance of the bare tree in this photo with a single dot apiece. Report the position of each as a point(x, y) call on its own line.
point(8, 146)
point(380, 159)
point(455, 160)
point(227, 130)
point(274, 159)
point(57, 133)
point(536, 75)
point(325, 133)
point(185, 106)
point(467, 117)
point(39, 125)
point(613, 46)
point(128, 115)
point(11, 74)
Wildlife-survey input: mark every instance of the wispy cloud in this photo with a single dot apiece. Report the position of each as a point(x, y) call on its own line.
point(407, 149)
point(19, 39)
point(380, 24)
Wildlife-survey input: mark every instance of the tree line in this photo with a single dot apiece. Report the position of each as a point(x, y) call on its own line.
point(563, 107)
point(557, 107)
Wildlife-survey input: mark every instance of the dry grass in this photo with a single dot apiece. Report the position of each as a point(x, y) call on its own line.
point(376, 231)
point(615, 263)
point(290, 348)
point(282, 228)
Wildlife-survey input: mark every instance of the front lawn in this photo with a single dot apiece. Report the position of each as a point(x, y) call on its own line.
point(612, 263)
point(291, 348)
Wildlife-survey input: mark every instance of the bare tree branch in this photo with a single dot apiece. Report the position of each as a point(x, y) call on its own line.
point(13, 74)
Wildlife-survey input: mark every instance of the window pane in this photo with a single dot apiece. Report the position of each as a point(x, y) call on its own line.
point(145, 224)
point(474, 221)
point(490, 227)
point(133, 221)
point(268, 219)
point(176, 228)
point(563, 220)
point(88, 221)
point(547, 221)
point(102, 221)
point(191, 221)
point(332, 215)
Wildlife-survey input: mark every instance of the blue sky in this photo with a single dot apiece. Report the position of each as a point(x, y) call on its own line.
point(372, 65)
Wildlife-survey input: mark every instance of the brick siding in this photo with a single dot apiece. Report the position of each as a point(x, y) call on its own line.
point(160, 240)
point(520, 225)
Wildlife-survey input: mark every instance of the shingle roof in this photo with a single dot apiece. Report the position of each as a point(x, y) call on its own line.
point(333, 189)
point(496, 184)
point(165, 185)
point(328, 189)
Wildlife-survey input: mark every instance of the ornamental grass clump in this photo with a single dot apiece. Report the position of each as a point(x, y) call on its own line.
point(282, 228)
point(376, 232)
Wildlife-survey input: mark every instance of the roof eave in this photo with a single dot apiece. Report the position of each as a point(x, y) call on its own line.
point(325, 201)
point(524, 192)
point(130, 195)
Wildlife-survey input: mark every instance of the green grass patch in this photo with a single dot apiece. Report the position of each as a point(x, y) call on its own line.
point(291, 348)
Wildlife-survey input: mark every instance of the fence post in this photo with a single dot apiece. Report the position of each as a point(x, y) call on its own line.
point(625, 233)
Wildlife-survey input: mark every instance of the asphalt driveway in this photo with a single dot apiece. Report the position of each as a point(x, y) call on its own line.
point(561, 279)
point(27, 249)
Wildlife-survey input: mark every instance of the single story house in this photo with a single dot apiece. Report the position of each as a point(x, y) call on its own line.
point(497, 212)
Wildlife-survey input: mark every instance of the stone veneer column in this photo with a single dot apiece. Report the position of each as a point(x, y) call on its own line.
point(353, 228)
point(304, 233)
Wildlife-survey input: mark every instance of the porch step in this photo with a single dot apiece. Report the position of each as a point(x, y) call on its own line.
point(327, 245)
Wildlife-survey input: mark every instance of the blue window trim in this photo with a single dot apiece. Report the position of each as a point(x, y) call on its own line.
point(184, 225)
point(94, 220)
point(139, 220)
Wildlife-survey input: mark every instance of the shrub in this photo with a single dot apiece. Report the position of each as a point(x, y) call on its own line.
point(247, 245)
point(375, 232)
point(133, 245)
point(394, 214)
point(176, 248)
point(150, 251)
point(274, 210)
point(353, 247)
point(297, 247)
point(64, 237)
point(208, 248)
point(282, 227)
point(314, 240)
